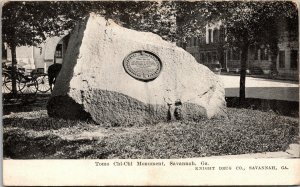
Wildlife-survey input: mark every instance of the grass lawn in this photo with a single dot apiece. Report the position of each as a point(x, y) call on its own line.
point(32, 134)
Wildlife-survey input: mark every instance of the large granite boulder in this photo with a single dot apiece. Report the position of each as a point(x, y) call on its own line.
point(120, 76)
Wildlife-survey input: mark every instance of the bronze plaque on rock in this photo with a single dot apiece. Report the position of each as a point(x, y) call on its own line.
point(142, 65)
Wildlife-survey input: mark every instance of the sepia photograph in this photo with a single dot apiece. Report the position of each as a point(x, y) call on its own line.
point(150, 81)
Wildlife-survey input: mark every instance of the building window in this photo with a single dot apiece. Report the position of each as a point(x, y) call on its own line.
point(256, 54)
point(216, 36)
point(222, 34)
point(264, 54)
point(202, 58)
point(256, 49)
point(281, 59)
point(235, 54)
point(228, 54)
point(208, 57)
point(195, 41)
point(294, 59)
point(214, 56)
point(209, 35)
point(58, 51)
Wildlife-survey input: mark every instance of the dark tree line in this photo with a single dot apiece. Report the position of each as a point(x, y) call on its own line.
point(247, 23)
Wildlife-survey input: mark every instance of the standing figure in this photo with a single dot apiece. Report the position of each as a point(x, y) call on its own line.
point(53, 72)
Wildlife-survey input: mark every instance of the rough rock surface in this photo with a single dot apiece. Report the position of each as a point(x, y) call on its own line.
point(93, 81)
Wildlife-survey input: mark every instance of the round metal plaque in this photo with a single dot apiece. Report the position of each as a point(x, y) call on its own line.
point(142, 65)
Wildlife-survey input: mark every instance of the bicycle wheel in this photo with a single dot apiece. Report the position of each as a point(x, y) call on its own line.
point(27, 85)
point(6, 84)
point(43, 84)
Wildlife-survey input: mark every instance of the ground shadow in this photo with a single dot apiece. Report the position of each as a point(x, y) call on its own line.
point(20, 146)
point(37, 124)
point(24, 104)
point(267, 93)
point(286, 108)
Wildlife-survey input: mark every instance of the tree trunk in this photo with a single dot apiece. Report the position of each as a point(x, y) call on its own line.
point(244, 57)
point(221, 56)
point(273, 65)
point(14, 70)
point(274, 53)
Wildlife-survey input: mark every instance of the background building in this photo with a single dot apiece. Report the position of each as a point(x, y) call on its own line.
point(42, 56)
point(209, 49)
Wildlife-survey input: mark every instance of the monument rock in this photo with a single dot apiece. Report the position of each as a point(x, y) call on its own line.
point(119, 76)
